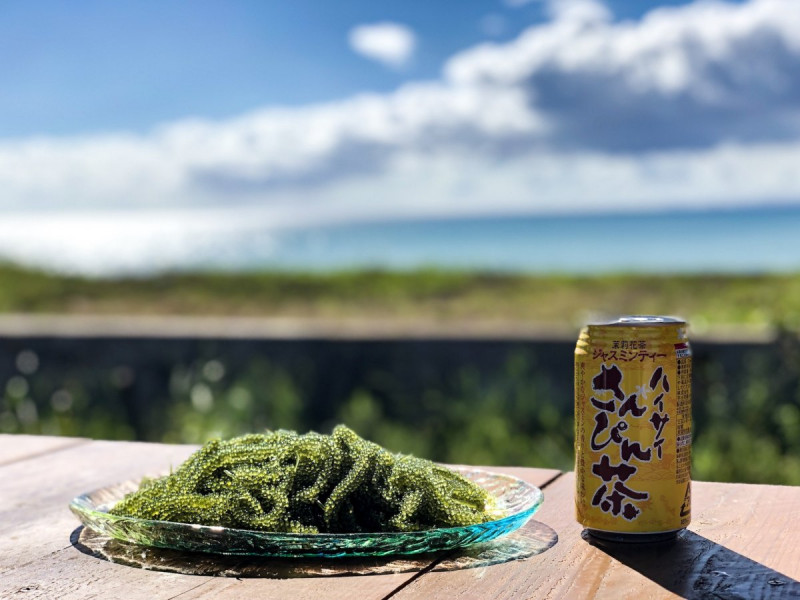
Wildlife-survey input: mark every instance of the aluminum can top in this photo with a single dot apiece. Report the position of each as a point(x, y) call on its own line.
point(641, 321)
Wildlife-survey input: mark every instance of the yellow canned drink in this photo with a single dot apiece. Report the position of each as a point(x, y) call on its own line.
point(633, 428)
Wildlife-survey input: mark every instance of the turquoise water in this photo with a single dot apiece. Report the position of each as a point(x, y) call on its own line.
point(746, 240)
point(734, 241)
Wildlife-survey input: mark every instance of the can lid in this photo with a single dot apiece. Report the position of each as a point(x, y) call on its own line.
point(644, 320)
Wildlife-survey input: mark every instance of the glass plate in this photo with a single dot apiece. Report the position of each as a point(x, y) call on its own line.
point(517, 500)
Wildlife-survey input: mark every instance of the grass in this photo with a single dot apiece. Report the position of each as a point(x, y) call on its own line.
point(445, 296)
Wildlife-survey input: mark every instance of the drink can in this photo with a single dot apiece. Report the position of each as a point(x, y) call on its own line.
point(633, 429)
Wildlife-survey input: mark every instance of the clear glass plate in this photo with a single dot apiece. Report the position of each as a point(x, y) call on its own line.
point(517, 501)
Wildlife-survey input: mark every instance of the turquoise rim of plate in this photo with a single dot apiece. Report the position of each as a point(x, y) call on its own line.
point(521, 498)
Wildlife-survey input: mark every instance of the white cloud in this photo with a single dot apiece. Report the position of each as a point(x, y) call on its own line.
point(699, 104)
point(579, 11)
point(392, 44)
point(464, 182)
point(258, 156)
point(574, 10)
point(687, 76)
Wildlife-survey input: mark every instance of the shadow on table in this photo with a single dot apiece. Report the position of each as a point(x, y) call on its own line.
point(531, 539)
point(693, 566)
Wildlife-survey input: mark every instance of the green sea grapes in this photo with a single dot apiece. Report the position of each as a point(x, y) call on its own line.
point(284, 482)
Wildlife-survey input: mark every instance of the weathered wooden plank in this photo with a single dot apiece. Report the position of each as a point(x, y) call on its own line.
point(35, 526)
point(362, 587)
point(68, 574)
point(18, 447)
point(34, 518)
point(740, 545)
point(36, 555)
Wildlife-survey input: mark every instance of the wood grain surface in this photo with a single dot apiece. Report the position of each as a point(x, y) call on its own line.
point(20, 447)
point(741, 545)
point(34, 518)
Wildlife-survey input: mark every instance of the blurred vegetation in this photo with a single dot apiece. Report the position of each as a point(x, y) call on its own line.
point(515, 410)
point(707, 300)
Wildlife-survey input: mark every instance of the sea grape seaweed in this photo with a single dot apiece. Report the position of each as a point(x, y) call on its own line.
point(284, 482)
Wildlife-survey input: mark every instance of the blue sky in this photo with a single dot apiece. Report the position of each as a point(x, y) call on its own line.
point(92, 66)
point(155, 117)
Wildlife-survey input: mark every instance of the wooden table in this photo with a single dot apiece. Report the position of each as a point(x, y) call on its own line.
point(743, 543)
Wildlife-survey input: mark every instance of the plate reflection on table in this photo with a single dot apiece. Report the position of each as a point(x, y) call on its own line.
point(531, 539)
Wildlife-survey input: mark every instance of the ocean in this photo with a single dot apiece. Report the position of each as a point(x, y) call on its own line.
point(752, 240)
